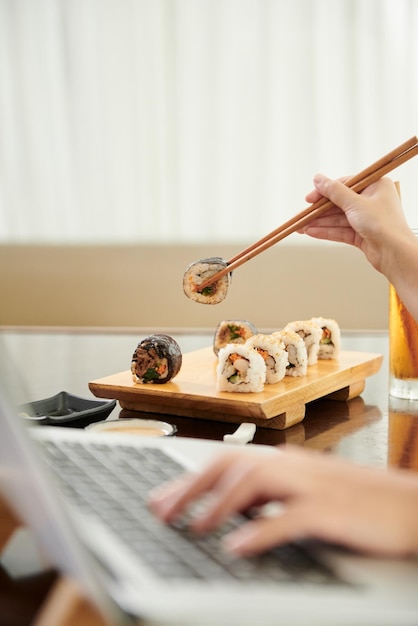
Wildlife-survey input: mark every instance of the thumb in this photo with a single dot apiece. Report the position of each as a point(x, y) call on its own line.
point(339, 194)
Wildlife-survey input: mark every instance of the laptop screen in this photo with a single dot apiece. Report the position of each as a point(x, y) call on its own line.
point(26, 487)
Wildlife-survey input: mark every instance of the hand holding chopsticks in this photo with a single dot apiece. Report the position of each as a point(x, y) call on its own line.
point(357, 183)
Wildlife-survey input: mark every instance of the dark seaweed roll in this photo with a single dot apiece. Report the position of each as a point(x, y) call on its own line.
point(199, 272)
point(157, 359)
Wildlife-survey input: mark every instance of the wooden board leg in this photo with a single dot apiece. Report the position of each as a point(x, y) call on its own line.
point(294, 415)
point(347, 393)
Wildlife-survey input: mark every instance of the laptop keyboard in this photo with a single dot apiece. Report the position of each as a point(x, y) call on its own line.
point(113, 482)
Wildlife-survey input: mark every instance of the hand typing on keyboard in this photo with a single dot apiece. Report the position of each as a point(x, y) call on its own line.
point(366, 509)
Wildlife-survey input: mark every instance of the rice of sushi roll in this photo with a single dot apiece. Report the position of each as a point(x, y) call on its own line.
point(296, 352)
point(240, 368)
point(274, 354)
point(330, 343)
point(232, 331)
point(199, 272)
point(311, 333)
point(157, 359)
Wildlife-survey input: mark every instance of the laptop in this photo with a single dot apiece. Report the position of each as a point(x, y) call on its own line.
point(61, 482)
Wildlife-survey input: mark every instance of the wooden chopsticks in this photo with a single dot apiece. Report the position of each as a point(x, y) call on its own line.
point(358, 183)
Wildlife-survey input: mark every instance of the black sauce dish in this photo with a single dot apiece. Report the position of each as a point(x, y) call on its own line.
point(65, 409)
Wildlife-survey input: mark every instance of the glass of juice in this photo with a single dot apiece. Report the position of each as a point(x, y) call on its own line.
point(403, 349)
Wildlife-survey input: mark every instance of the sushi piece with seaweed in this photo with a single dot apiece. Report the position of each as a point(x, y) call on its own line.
point(198, 273)
point(157, 359)
point(232, 331)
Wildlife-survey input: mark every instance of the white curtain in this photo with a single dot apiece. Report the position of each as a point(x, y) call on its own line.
point(194, 120)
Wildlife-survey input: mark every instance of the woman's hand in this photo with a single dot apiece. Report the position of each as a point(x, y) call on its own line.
point(367, 509)
point(369, 220)
point(374, 222)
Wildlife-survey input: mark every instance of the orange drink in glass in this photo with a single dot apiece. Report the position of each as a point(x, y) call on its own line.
point(403, 349)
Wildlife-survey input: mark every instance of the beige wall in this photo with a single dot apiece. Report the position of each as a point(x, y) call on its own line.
point(141, 286)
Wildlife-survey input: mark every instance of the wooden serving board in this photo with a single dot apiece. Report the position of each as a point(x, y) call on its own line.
point(192, 393)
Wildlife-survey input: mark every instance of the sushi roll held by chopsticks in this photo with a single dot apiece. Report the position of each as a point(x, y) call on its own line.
point(199, 272)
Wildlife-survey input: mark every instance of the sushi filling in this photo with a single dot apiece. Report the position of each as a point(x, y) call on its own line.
point(231, 332)
point(149, 366)
point(202, 277)
point(236, 369)
point(326, 337)
point(326, 343)
point(268, 359)
point(159, 371)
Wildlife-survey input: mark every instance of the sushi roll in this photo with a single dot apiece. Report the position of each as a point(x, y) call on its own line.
point(330, 343)
point(240, 368)
point(232, 331)
point(296, 352)
point(274, 354)
point(157, 359)
point(200, 271)
point(311, 334)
